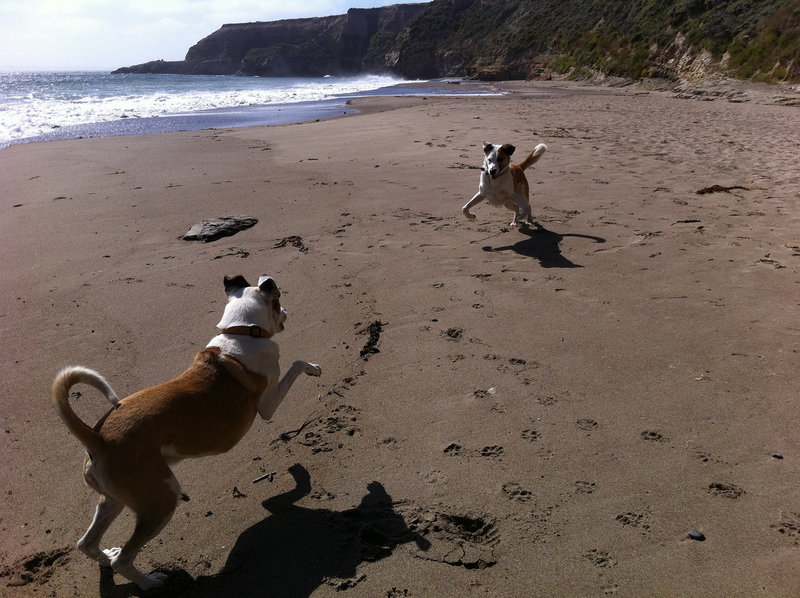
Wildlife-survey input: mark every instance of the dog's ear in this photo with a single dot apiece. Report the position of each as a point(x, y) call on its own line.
point(267, 285)
point(235, 282)
point(487, 147)
point(508, 149)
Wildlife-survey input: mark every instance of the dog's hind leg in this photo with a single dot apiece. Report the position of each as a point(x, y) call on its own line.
point(152, 515)
point(105, 513)
point(476, 199)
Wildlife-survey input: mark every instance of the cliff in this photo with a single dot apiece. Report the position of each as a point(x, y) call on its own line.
point(675, 39)
point(513, 39)
point(313, 47)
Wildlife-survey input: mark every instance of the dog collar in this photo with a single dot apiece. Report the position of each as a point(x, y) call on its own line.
point(253, 330)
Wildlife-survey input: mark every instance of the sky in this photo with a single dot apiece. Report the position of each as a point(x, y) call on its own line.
point(69, 35)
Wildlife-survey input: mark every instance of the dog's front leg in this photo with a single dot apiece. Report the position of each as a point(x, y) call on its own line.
point(522, 210)
point(272, 397)
point(476, 199)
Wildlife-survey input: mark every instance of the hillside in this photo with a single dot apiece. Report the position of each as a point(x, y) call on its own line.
point(515, 39)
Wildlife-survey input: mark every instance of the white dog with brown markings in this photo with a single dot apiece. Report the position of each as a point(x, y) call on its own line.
point(503, 183)
point(204, 411)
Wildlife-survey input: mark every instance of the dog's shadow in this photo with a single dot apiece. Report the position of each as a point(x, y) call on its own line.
point(296, 549)
point(545, 246)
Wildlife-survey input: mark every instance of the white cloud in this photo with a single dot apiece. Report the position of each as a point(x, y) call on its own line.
point(105, 34)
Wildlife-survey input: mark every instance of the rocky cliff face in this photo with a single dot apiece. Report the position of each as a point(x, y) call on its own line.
point(513, 39)
point(335, 45)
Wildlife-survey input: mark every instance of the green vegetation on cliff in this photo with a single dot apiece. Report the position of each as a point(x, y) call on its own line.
point(757, 39)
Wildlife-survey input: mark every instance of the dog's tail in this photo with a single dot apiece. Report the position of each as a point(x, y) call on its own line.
point(533, 157)
point(66, 379)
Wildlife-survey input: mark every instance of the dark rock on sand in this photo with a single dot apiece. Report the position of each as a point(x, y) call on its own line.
point(226, 226)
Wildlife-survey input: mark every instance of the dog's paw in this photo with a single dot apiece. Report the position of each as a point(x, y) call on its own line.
point(312, 369)
point(110, 555)
point(96, 554)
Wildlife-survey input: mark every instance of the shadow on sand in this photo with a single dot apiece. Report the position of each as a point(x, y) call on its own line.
point(544, 245)
point(296, 549)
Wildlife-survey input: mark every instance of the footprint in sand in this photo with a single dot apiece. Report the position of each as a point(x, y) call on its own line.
point(789, 526)
point(436, 477)
point(653, 436)
point(531, 435)
point(454, 334)
point(315, 442)
point(457, 540)
point(492, 451)
point(584, 487)
point(726, 490)
point(342, 420)
point(516, 492)
point(322, 495)
point(637, 520)
point(600, 558)
point(36, 568)
point(452, 450)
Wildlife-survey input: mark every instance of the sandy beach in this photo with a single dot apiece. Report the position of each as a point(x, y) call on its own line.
point(536, 413)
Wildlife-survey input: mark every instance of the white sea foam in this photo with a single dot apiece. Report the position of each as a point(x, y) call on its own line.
point(34, 104)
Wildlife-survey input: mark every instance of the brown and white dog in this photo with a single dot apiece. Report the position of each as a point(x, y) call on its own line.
point(204, 411)
point(503, 183)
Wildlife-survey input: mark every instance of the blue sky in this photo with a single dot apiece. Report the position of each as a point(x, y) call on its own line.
point(106, 34)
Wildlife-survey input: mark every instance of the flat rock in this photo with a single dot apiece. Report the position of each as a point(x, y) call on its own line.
point(215, 228)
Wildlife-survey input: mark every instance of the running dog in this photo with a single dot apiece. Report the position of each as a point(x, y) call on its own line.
point(503, 183)
point(204, 411)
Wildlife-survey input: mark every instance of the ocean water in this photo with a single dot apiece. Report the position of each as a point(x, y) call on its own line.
point(64, 105)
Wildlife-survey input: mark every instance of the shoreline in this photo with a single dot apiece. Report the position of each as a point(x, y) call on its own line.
point(251, 115)
point(351, 105)
point(222, 118)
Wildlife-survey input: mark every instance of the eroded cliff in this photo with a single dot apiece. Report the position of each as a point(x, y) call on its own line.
point(335, 45)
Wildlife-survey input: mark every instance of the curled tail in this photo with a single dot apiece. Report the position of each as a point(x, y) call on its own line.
point(533, 157)
point(66, 379)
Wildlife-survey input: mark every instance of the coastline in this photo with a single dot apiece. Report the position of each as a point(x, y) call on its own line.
point(351, 104)
point(551, 412)
point(221, 118)
point(252, 115)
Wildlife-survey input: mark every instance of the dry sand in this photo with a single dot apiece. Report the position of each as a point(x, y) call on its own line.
point(548, 413)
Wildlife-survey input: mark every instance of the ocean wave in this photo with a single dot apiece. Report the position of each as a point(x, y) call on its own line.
point(33, 106)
